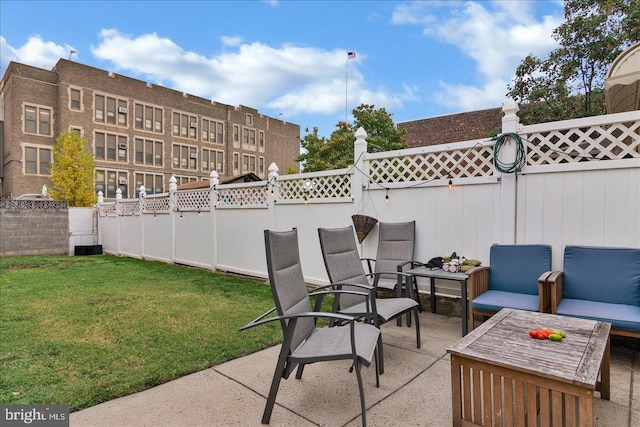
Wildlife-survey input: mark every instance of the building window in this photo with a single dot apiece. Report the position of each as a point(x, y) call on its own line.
point(248, 163)
point(212, 131)
point(261, 141)
point(110, 110)
point(108, 181)
point(185, 157)
point(75, 96)
point(261, 166)
point(185, 126)
point(249, 119)
point(148, 152)
point(110, 147)
point(37, 120)
point(153, 183)
point(37, 160)
point(148, 118)
point(212, 159)
point(181, 180)
point(236, 136)
point(236, 163)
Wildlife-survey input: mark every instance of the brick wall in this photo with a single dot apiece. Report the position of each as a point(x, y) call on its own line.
point(30, 227)
point(452, 128)
point(23, 84)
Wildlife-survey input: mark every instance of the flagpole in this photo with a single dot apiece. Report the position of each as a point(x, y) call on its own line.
point(350, 55)
point(346, 89)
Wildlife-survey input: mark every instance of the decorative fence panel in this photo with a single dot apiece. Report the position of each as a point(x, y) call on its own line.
point(460, 202)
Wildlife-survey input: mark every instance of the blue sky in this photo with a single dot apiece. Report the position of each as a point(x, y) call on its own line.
point(288, 59)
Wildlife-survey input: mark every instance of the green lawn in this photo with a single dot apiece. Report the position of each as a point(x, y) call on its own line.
point(83, 330)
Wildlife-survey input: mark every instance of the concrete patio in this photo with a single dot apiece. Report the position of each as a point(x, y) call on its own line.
point(415, 389)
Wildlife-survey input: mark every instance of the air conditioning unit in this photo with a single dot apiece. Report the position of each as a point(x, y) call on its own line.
point(123, 181)
point(193, 155)
point(122, 146)
point(122, 109)
point(193, 125)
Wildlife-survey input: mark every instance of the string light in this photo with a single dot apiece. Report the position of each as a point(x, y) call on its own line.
point(386, 196)
point(450, 183)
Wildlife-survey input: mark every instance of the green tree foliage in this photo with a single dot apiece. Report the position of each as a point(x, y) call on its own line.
point(570, 82)
point(72, 171)
point(337, 151)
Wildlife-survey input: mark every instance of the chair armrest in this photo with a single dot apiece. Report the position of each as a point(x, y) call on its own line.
point(544, 293)
point(478, 282)
point(314, 314)
point(369, 261)
point(554, 282)
point(399, 275)
point(413, 263)
point(369, 296)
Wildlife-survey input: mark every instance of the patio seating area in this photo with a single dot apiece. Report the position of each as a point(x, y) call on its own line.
point(414, 390)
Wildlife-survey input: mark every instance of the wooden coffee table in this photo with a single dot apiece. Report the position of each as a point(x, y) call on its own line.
point(499, 374)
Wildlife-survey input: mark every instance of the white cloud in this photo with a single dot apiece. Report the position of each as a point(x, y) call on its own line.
point(470, 98)
point(496, 35)
point(231, 40)
point(35, 52)
point(288, 78)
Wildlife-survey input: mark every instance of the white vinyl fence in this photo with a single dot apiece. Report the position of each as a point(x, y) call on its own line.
point(580, 185)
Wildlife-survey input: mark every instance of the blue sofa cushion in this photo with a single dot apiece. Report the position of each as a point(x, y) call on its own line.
point(494, 301)
point(621, 316)
point(516, 268)
point(609, 275)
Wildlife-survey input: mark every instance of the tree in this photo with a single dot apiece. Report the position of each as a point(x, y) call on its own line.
point(570, 82)
point(337, 152)
point(72, 171)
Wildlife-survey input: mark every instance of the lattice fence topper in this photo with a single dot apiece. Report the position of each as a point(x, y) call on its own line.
point(107, 209)
point(612, 141)
point(187, 200)
point(242, 196)
point(319, 187)
point(33, 204)
point(458, 163)
point(156, 203)
point(129, 207)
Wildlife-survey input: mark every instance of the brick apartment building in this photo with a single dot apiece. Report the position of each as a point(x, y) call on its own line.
point(452, 127)
point(140, 134)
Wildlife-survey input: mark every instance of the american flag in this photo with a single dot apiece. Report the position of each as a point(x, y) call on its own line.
point(351, 55)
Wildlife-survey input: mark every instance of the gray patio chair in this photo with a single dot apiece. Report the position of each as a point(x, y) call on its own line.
point(346, 272)
point(396, 241)
point(304, 343)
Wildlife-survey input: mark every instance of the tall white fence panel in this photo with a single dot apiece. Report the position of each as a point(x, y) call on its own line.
point(580, 185)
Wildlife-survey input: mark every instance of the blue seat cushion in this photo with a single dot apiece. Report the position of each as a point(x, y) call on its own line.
point(494, 301)
point(516, 268)
point(621, 316)
point(609, 275)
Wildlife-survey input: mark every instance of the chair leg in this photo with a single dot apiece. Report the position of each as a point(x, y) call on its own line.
point(299, 371)
point(415, 288)
point(275, 384)
point(375, 358)
point(415, 312)
point(380, 355)
point(363, 406)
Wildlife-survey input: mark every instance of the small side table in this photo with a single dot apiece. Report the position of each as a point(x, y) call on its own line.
point(439, 273)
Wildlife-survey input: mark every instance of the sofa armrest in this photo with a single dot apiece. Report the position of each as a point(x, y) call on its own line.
point(478, 282)
point(544, 293)
point(554, 282)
